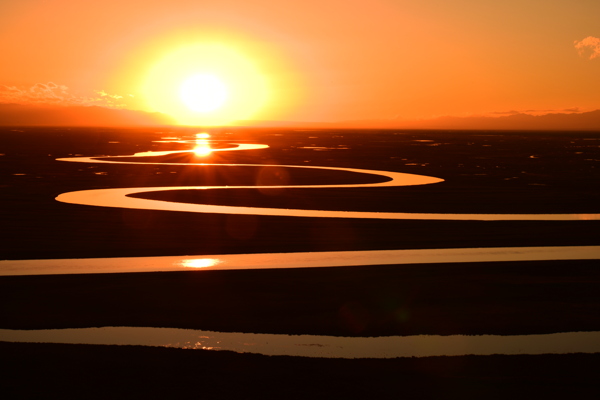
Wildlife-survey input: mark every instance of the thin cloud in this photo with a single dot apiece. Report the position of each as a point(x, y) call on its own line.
point(39, 93)
point(553, 111)
point(51, 93)
point(504, 113)
point(588, 47)
point(532, 112)
point(572, 110)
point(102, 93)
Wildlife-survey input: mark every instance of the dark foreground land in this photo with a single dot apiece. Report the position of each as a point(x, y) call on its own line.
point(129, 372)
point(497, 298)
point(483, 171)
point(479, 298)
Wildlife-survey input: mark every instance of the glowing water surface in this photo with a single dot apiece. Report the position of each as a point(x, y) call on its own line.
point(303, 345)
point(295, 260)
point(119, 198)
point(318, 346)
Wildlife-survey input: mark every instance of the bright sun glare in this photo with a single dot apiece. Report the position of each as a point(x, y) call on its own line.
point(203, 93)
point(206, 84)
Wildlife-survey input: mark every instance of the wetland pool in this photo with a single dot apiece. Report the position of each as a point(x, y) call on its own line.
point(318, 346)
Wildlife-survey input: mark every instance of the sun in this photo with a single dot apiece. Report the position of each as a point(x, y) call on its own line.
point(203, 93)
point(206, 84)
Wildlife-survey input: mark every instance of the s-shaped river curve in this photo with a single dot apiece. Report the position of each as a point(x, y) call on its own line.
point(119, 197)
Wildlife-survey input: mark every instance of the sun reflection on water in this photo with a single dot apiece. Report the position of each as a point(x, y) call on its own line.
point(202, 147)
point(200, 262)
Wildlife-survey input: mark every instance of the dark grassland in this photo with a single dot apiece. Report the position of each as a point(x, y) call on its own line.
point(484, 172)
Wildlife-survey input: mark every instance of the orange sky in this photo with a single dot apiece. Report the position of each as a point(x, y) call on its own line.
point(306, 61)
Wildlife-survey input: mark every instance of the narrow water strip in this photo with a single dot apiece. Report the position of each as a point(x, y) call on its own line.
point(294, 260)
point(318, 346)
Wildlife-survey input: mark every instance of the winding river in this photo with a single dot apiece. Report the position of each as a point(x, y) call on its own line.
point(120, 197)
point(303, 345)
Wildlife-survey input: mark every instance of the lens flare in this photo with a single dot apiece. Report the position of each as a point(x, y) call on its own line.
point(202, 147)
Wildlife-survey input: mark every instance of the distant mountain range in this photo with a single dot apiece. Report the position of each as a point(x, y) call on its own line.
point(518, 121)
point(34, 115)
point(37, 115)
point(587, 121)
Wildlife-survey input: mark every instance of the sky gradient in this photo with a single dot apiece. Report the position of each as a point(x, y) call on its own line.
point(311, 61)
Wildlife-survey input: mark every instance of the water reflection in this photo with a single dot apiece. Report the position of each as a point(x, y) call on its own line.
point(202, 147)
point(314, 346)
point(295, 260)
point(119, 198)
point(200, 262)
point(318, 346)
point(119, 159)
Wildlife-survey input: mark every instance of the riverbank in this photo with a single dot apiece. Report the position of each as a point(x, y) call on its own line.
point(462, 298)
point(118, 372)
